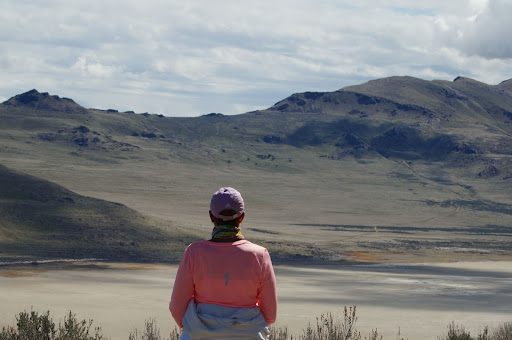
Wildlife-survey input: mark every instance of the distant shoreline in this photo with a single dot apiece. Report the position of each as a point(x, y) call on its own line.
point(94, 263)
point(37, 262)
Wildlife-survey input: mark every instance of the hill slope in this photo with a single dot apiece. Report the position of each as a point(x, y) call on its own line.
point(427, 164)
point(42, 220)
point(465, 123)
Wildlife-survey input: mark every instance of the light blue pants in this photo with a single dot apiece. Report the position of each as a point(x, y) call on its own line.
point(184, 336)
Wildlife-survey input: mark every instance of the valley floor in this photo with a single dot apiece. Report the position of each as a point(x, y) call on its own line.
point(419, 300)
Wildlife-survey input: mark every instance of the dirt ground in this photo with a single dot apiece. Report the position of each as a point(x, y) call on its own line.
point(416, 300)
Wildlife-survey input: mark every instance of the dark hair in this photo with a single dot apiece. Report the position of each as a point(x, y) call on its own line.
point(227, 212)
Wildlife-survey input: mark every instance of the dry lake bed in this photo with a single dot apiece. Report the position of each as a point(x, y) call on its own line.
point(419, 300)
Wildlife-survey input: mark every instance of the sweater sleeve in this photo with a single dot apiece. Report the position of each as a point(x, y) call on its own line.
point(183, 290)
point(267, 295)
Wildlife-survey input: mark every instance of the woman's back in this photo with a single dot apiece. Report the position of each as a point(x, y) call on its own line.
point(237, 274)
point(225, 287)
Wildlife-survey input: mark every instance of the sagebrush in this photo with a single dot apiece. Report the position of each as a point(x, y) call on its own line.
point(35, 326)
point(40, 326)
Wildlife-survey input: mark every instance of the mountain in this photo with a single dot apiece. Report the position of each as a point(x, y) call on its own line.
point(464, 123)
point(427, 164)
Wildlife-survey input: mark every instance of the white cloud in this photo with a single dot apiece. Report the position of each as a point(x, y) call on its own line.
point(199, 56)
point(94, 68)
point(483, 30)
point(488, 34)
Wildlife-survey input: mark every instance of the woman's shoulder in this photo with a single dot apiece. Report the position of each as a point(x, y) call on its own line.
point(257, 250)
point(253, 246)
point(198, 244)
point(241, 245)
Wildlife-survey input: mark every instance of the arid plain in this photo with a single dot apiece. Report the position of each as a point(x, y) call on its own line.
point(401, 280)
point(413, 301)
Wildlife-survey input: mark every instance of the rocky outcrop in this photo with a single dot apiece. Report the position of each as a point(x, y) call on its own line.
point(44, 102)
point(352, 103)
point(489, 171)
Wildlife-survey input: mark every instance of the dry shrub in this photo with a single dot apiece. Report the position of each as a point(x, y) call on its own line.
point(503, 332)
point(35, 326)
point(456, 332)
point(152, 332)
point(32, 326)
point(279, 333)
point(331, 328)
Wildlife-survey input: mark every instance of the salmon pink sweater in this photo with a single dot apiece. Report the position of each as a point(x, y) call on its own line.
point(232, 274)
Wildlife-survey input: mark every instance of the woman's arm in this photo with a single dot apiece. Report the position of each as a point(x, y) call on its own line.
point(183, 289)
point(267, 297)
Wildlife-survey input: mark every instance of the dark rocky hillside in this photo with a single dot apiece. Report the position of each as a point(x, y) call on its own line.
point(44, 102)
point(41, 219)
point(463, 122)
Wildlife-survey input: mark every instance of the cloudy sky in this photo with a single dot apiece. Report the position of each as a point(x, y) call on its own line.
point(191, 57)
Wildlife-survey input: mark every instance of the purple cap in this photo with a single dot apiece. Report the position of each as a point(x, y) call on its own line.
point(227, 199)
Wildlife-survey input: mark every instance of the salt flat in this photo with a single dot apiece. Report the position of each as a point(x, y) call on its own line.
point(417, 299)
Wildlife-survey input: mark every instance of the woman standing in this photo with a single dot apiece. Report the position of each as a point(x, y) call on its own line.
point(225, 287)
